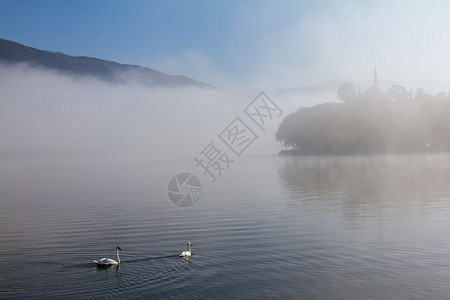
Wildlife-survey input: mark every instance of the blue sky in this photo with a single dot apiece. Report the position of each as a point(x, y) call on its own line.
point(244, 44)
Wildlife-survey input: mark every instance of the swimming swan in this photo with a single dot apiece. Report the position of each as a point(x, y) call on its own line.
point(188, 252)
point(108, 261)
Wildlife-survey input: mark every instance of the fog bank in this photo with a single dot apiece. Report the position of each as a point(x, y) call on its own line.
point(48, 115)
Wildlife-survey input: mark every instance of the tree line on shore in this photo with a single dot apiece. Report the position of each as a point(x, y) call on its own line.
point(373, 122)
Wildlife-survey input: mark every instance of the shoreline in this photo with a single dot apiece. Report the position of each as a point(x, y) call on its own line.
point(304, 153)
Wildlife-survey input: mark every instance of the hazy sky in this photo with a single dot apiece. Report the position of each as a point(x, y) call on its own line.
point(245, 44)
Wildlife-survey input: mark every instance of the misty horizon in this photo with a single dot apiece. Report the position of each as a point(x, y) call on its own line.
point(78, 116)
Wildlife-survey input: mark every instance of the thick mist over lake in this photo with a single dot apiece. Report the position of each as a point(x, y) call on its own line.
point(45, 114)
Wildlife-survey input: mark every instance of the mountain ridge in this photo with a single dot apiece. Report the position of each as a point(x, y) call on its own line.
point(12, 52)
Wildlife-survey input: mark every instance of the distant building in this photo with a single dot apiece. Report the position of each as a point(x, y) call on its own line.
point(375, 79)
point(374, 92)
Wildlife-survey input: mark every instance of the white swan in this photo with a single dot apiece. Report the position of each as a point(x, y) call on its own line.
point(188, 252)
point(108, 261)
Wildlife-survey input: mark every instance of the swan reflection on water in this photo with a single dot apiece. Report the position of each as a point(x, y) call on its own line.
point(187, 259)
point(107, 267)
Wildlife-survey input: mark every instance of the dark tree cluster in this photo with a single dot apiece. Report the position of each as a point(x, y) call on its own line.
point(374, 122)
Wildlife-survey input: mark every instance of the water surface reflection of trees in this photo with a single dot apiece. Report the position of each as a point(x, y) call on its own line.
point(368, 186)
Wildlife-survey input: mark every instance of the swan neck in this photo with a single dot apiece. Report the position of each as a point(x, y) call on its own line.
point(189, 247)
point(117, 256)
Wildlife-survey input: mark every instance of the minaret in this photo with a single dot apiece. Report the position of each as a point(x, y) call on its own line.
point(375, 79)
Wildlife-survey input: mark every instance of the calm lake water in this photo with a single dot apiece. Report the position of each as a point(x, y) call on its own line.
point(366, 227)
